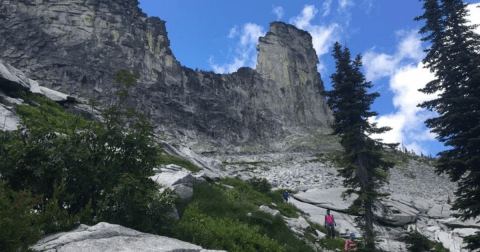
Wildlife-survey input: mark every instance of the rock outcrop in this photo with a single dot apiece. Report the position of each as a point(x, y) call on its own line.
point(76, 47)
point(105, 237)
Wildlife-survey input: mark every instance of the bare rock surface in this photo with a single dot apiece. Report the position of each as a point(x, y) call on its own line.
point(76, 47)
point(105, 237)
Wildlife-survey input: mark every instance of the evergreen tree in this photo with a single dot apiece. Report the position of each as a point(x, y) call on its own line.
point(457, 79)
point(364, 167)
point(454, 58)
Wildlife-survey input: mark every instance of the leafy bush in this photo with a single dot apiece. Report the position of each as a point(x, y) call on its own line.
point(138, 204)
point(85, 171)
point(55, 218)
point(236, 207)
point(19, 224)
point(332, 244)
point(261, 185)
point(416, 242)
point(223, 233)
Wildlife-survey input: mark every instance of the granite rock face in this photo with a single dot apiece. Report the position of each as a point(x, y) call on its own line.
point(76, 47)
point(105, 237)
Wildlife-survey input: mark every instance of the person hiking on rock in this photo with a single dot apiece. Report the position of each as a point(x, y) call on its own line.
point(350, 243)
point(330, 223)
point(285, 196)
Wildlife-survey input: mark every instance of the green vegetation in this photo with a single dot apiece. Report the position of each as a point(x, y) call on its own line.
point(60, 170)
point(229, 219)
point(19, 227)
point(416, 242)
point(453, 56)
point(165, 159)
point(362, 159)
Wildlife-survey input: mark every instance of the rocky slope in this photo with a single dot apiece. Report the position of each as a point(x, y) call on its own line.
point(262, 122)
point(77, 46)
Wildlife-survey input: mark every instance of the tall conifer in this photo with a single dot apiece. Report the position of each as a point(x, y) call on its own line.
point(454, 59)
point(363, 174)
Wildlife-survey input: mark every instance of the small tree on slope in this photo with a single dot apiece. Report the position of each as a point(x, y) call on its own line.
point(454, 58)
point(363, 159)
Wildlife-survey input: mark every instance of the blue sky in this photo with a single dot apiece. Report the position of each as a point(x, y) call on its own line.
point(221, 36)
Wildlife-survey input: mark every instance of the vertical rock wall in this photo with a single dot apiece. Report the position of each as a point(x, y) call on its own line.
point(76, 46)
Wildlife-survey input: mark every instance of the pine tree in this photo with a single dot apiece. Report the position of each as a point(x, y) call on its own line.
point(454, 59)
point(364, 167)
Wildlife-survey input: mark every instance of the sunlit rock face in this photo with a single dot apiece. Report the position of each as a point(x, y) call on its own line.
point(76, 47)
point(286, 55)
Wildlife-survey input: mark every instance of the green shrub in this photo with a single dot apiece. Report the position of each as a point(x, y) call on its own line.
point(239, 205)
point(54, 217)
point(416, 242)
point(19, 224)
point(332, 244)
point(84, 170)
point(138, 204)
point(223, 233)
point(261, 185)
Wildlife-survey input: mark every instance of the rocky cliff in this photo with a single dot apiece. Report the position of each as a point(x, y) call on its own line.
point(76, 47)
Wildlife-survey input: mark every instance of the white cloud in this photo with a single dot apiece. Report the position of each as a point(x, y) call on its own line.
point(367, 4)
point(405, 78)
point(323, 36)
point(345, 3)
point(278, 11)
point(474, 17)
point(326, 7)
point(227, 68)
point(245, 51)
point(407, 122)
point(303, 20)
point(233, 32)
point(382, 65)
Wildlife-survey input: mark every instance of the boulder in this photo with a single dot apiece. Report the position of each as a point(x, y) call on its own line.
point(320, 234)
point(105, 237)
point(267, 209)
point(327, 198)
point(422, 205)
point(439, 211)
point(9, 120)
point(55, 95)
point(183, 190)
point(451, 242)
point(345, 223)
point(174, 178)
point(299, 222)
point(400, 213)
point(462, 232)
point(12, 79)
point(297, 232)
point(456, 223)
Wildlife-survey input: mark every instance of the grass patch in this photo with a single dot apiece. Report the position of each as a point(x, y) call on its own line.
point(229, 219)
point(166, 159)
point(48, 115)
point(332, 244)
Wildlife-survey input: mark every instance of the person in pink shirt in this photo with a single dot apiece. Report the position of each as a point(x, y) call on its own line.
point(330, 223)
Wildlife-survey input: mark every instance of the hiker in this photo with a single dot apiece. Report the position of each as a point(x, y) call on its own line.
point(285, 196)
point(330, 223)
point(350, 243)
